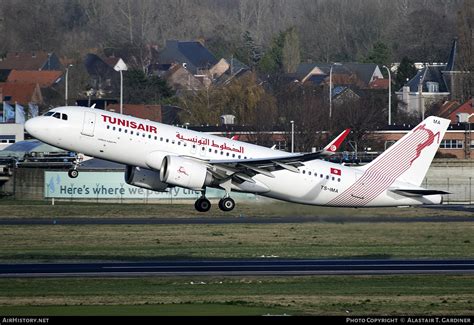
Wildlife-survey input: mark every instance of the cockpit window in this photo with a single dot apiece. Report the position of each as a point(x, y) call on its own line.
point(64, 117)
point(49, 113)
point(57, 115)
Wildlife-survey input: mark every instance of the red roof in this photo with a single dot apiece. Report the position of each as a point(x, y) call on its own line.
point(379, 84)
point(111, 60)
point(464, 108)
point(149, 112)
point(43, 78)
point(24, 60)
point(22, 93)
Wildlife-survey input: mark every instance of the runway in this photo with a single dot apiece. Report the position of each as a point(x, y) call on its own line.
point(258, 267)
point(224, 220)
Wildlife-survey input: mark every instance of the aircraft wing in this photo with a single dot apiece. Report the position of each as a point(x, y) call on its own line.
point(332, 147)
point(245, 169)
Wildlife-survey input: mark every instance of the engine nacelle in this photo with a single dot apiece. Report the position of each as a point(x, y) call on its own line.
point(183, 172)
point(144, 178)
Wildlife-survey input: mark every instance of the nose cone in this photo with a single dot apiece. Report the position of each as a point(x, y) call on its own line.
point(32, 126)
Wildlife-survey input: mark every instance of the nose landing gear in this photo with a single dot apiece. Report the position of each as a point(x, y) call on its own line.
point(73, 172)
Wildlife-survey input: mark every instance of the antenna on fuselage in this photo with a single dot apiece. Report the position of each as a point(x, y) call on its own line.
point(93, 105)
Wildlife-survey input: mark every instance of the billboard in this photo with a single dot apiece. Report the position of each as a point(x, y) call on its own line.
point(111, 185)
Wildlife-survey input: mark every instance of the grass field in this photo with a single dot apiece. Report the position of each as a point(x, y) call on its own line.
point(316, 295)
point(263, 208)
point(313, 295)
point(306, 240)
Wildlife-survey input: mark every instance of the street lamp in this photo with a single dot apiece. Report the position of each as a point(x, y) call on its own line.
point(292, 136)
point(120, 66)
point(389, 96)
point(330, 88)
point(121, 91)
point(66, 87)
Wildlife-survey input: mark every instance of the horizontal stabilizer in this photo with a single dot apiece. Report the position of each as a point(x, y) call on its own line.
point(417, 192)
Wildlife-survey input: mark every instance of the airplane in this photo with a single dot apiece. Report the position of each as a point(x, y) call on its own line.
point(159, 156)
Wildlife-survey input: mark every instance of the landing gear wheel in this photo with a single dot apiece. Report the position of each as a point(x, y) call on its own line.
point(73, 173)
point(226, 204)
point(202, 205)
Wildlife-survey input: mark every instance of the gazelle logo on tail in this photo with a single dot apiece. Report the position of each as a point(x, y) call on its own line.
point(408, 160)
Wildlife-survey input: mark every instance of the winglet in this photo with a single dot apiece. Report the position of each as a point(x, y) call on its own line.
point(336, 143)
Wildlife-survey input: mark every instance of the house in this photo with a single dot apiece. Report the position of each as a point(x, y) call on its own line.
point(158, 113)
point(227, 70)
point(104, 75)
point(344, 94)
point(45, 78)
point(179, 78)
point(192, 55)
point(361, 75)
point(433, 83)
point(456, 112)
point(38, 61)
point(21, 93)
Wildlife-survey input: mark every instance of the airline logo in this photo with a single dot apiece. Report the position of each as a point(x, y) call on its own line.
point(336, 171)
point(182, 170)
point(129, 124)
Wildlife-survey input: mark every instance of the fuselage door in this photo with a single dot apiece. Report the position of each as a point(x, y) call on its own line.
point(89, 124)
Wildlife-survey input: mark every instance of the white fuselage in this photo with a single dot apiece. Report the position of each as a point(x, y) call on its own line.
point(142, 143)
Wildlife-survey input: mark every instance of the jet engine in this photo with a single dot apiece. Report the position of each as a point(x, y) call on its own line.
point(144, 178)
point(184, 172)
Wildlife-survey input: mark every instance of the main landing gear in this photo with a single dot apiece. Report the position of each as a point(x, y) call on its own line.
point(202, 204)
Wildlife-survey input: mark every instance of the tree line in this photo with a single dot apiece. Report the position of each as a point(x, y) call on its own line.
point(328, 30)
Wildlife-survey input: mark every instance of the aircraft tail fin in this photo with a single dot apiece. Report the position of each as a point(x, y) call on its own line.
point(410, 157)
